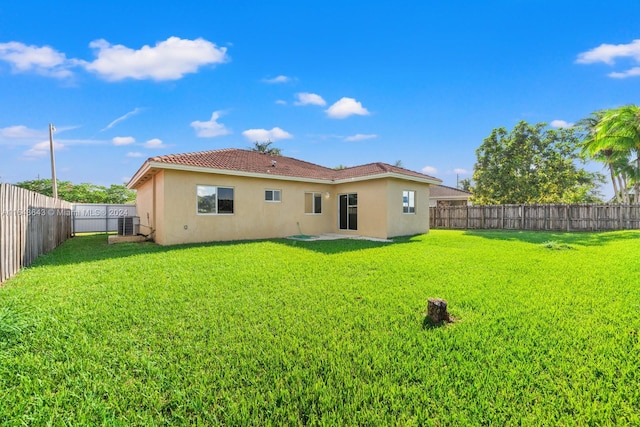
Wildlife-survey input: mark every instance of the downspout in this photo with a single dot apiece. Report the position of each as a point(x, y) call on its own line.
point(153, 203)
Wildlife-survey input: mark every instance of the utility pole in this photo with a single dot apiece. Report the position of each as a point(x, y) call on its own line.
point(54, 182)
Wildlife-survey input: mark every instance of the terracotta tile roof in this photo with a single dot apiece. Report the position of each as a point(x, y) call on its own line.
point(233, 159)
point(253, 162)
point(376, 169)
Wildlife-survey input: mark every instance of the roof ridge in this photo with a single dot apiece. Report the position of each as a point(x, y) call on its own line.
point(250, 161)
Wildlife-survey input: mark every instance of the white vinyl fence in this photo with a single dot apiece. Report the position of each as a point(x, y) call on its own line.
point(95, 218)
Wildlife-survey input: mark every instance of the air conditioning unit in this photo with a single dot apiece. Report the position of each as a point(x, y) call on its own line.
point(128, 225)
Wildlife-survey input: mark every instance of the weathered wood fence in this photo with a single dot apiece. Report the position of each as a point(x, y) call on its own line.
point(578, 217)
point(30, 225)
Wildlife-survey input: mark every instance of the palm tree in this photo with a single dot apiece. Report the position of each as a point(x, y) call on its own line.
point(619, 129)
point(263, 147)
point(613, 138)
point(593, 147)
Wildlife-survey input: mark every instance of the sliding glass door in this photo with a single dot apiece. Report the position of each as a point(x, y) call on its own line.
point(348, 211)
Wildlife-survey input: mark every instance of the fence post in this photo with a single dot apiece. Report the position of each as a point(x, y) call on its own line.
point(466, 212)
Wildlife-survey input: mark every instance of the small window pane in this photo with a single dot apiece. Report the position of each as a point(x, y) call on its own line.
point(308, 203)
point(272, 195)
point(206, 199)
point(313, 203)
point(408, 201)
point(225, 200)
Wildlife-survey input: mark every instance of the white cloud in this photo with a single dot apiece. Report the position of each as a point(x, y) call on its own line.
point(211, 128)
point(281, 102)
point(123, 117)
point(278, 79)
point(134, 154)
point(266, 135)
point(126, 179)
point(42, 60)
point(21, 132)
point(306, 98)
point(560, 124)
point(123, 140)
point(632, 72)
point(42, 149)
point(430, 170)
point(167, 60)
point(346, 107)
point(154, 143)
point(360, 137)
point(459, 171)
point(608, 53)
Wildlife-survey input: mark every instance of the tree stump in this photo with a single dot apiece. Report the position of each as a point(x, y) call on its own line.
point(437, 310)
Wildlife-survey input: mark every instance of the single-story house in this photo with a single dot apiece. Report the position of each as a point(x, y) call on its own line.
point(236, 194)
point(441, 195)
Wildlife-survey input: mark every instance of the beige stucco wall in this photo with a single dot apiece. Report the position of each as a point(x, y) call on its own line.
point(171, 208)
point(144, 207)
point(253, 217)
point(149, 206)
point(372, 214)
point(402, 224)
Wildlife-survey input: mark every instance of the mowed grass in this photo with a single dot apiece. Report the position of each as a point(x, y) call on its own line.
point(326, 333)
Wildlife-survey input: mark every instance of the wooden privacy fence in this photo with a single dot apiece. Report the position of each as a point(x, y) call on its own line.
point(578, 217)
point(30, 224)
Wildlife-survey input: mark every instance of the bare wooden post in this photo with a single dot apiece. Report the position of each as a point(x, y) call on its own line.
point(437, 310)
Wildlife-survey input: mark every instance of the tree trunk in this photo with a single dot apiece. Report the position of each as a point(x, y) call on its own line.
point(636, 185)
point(437, 310)
point(615, 185)
point(624, 191)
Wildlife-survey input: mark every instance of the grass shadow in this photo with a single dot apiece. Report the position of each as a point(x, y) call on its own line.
point(566, 238)
point(90, 248)
point(330, 247)
point(428, 323)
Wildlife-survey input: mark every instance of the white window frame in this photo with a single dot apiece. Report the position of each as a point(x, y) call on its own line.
point(273, 195)
point(409, 202)
point(216, 192)
point(314, 196)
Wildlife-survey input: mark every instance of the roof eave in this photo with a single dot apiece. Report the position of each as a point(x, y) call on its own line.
point(425, 180)
point(210, 170)
point(450, 197)
point(144, 169)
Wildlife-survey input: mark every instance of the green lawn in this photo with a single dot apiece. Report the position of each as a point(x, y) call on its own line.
point(326, 332)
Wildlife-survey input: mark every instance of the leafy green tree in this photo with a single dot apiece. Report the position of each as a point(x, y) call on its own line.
point(465, 185)
point(82, 193)
point(613, 137)
point(532, 164)
point(265, 147)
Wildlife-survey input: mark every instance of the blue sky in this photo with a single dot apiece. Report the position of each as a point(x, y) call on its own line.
point(330, 82)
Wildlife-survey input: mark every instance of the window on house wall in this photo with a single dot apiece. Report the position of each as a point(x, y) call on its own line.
point(409, 201)
point(313, 203)
point(272, 195)
point(214, 200)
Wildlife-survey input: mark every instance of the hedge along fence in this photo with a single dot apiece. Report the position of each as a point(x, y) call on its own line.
point(578, 217)
point(31, 224)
